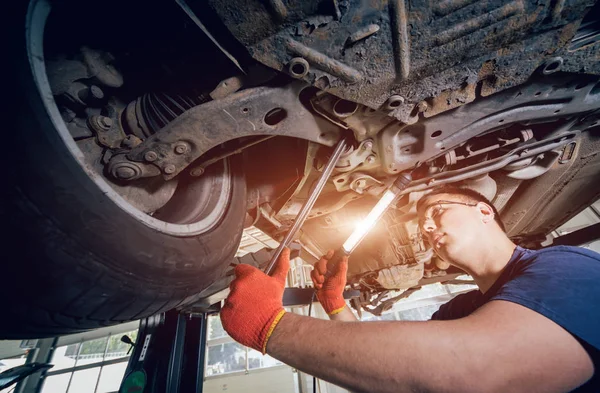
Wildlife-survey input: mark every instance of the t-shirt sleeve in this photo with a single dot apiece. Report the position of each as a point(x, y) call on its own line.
point(461, 306)
point(560, 283)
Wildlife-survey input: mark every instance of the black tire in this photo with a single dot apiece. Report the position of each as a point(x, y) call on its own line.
point(74, 260)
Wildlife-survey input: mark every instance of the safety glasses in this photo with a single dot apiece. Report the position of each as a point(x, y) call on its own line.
point(434, 210)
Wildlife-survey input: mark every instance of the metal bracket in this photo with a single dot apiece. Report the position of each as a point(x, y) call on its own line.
point(359, 183)
point(522, 152)
point(539, 165)
point(541, 99)
point(252, 112)
point(362, 155)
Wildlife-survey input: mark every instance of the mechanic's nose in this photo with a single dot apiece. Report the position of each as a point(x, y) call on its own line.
point(428, 226)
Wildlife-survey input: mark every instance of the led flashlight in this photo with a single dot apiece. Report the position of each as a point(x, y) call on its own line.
point(366, 224)
point(389, 196)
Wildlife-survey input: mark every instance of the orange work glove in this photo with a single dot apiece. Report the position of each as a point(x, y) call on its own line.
point(330, 289)
point(254, 305)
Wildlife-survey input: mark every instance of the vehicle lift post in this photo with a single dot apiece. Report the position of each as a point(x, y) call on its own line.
point(170, 351)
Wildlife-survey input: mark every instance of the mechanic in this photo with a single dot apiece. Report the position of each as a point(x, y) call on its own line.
point(533, 325)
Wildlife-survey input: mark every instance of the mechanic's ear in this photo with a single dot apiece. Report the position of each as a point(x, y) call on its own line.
point(486, 212)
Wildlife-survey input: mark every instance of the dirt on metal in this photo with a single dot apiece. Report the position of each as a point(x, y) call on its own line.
point(423, 51)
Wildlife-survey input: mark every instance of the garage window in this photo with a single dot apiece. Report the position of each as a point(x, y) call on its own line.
point(96, 366)
point(224, 355)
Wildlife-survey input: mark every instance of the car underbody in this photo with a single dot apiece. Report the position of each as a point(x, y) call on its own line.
point(502, 97)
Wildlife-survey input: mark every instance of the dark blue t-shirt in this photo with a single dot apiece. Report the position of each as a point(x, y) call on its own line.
point(562, 283)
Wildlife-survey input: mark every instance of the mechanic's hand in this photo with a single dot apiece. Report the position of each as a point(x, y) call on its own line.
point(254, 305)
point(330, 289)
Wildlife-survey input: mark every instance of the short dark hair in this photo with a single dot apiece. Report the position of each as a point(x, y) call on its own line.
point(467, 194)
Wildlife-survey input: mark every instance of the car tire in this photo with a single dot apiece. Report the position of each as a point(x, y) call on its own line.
point(73, 259)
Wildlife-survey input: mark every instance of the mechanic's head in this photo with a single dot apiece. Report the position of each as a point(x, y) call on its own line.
point(454, 221)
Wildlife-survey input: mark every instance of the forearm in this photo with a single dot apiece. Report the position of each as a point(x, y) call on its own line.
point(400, 354)
point(346, 315)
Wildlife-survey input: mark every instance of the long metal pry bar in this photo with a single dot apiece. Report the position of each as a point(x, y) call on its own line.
point(312, 198)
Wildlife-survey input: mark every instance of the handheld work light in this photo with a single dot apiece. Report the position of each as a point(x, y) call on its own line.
point(389, 196)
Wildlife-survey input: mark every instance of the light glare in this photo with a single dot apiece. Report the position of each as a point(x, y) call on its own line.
point(365, 225)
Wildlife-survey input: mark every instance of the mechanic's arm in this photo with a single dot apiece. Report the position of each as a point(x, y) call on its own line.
point(330, 290)
point(501, 347)
point(346, 315)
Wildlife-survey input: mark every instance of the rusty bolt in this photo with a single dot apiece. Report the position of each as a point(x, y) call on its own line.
point(170, 169)
point(150, 156)
point(125, 173)
point(422, 106)
point(197, 172)
point(100, 123)
point(370, 159)
point(180, 148)
point(361, 183)
point(105, 122)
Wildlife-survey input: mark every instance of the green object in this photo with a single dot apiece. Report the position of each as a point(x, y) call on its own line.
point(135, 382)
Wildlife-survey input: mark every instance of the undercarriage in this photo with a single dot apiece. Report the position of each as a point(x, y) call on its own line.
point(502, 97)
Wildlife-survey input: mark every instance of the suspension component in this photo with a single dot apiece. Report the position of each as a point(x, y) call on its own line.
point(262, 111)
point(151, 112)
